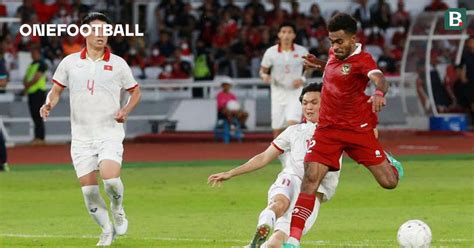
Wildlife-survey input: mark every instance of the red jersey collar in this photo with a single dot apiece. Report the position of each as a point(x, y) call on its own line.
point(106, 56)
point(292, 47)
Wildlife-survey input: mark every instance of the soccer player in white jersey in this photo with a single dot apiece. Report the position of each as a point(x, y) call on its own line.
point(282, 68)
point(283, 193)
point(95, 78)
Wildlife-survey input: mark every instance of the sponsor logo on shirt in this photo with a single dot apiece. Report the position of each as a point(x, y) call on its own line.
point(346, 69)
point(378, 154)
point(107, 68)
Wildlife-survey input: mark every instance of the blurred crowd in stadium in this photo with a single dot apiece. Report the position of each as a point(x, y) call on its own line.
point(200, 41)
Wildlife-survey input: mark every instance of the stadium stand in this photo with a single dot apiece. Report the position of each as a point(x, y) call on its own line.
point(232, 36)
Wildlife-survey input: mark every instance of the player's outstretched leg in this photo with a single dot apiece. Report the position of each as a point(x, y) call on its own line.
point(396, 164)
point(304, 206)
point(98, 211)
point(114, 189)
point(266, 222)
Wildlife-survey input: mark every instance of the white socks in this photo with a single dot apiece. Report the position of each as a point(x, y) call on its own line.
point(96, 207)
point(267, 217)
point(114, 189)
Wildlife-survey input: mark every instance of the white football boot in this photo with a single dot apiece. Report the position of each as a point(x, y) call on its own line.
point(106, 238)
point(120, 221)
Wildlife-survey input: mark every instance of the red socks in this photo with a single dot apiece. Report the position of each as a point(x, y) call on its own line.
point(303, 209)
point(395, 171)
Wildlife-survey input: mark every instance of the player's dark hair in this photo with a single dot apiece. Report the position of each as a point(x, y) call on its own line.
point(287, 24)
point(92, 16)
point(344, 22)
point(312, 87)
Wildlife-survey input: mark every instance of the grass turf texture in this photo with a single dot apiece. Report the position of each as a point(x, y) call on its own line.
point(170, 205)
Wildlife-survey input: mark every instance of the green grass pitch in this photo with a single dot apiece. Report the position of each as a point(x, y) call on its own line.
point(170, 205)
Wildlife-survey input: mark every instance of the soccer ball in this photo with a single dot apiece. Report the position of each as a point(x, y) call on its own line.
point(414, 234)
point(233, 105)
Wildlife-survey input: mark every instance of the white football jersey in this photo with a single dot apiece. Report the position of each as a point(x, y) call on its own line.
point(286, 66)
point(94, 93)
point(294, 142)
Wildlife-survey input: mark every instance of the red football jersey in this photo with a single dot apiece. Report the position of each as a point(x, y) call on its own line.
point(343, 101)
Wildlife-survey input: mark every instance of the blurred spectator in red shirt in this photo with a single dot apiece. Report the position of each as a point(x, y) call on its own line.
point(45, 11)
point(166, 73)
point(401, 17)
point(156, 58)
point(3, 10)
point(436, 5)
point(376, 38)
point(221, 40)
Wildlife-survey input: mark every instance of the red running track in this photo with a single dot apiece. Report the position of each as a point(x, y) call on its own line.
point(399, 143)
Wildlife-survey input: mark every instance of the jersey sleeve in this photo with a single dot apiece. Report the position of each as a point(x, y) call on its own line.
point(283, 141)
point(60, 76)
point(127, 80)
point(267, 59)
point(368, 65)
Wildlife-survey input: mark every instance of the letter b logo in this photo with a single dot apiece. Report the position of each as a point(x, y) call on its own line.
point(454, 19)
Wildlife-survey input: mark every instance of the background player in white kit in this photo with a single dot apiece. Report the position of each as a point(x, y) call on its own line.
point(283, 193)
point(282, 68)
point(95, 78)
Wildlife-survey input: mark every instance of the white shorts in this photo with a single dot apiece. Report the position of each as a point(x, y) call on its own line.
point(86, 156)
point(289, 186)
point(282, 113)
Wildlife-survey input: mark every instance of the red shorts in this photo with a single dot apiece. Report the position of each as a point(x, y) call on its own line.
point(362, 147)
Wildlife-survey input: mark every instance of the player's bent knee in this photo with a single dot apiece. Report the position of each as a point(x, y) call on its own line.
point(279, 204)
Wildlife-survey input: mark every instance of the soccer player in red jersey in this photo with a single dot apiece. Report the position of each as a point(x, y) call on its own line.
point(347, 120)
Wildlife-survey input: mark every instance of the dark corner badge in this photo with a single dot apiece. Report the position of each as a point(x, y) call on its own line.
point(455, 19)
point(346, 69)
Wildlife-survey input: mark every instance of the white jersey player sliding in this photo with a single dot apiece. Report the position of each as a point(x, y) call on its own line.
point(282, 195)
point(95, 78)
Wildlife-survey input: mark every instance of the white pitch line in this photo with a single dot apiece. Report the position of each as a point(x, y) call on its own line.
point(345, 243)
point(418, 147)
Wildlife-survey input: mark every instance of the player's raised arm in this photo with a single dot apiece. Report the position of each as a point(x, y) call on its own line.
point(381, 88)
point(51, 100)
point(311, 62)
point(255, 163)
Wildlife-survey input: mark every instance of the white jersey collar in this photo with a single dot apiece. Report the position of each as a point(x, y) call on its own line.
point(356, 51)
